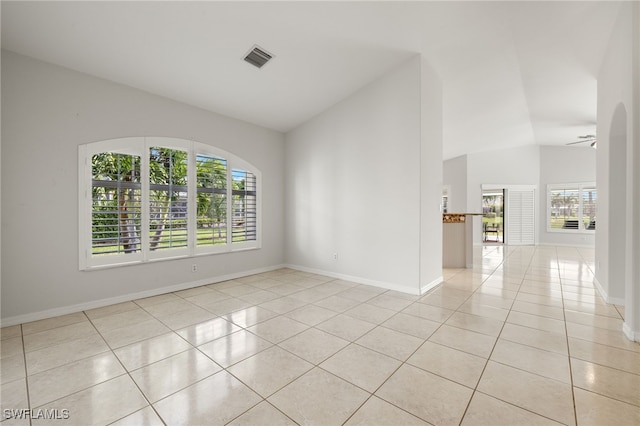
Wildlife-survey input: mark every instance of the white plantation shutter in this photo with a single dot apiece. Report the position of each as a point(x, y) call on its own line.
point(520, 217)
point(211, 188)
point(116, 204)
point(143, 199)
point(168, 199)
point(244, 224)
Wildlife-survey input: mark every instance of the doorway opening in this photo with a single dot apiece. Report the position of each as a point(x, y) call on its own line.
point(493, 216)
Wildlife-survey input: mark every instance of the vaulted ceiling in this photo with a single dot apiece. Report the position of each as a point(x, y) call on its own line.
point(513, 73)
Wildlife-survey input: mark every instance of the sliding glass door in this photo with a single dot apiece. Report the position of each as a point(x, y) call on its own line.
point(493, 216)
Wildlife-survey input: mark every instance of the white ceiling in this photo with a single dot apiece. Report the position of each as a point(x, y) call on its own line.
point(514, 73)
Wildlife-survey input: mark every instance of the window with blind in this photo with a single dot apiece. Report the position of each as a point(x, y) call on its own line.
point(244, 206)
point(168, 191)
point(147, 199)
point(116, 204)
point(571, 207)
point(211, 223)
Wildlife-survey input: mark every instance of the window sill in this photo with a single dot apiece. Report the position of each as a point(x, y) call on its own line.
point(164, 259)
point(572, 231)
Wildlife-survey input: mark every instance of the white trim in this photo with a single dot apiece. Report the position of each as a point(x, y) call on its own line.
point(634, 336)
point(491, 186)
point(567, 245)
point(615, 301)
point(580, 187)
point(64, 310)
point(446, 192)
point(83, 216)
point(571, 231)
point(610, 300)
point(162, 259)
point(569, 185)
point(428, 286)
point(352, 278)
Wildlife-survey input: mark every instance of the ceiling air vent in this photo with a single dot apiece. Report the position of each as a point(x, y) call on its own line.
point(258, 56)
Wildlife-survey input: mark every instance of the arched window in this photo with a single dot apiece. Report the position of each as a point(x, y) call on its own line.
point(151, 198)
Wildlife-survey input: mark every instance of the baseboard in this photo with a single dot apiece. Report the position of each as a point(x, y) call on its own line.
point(355, 279)
point(610, 300)
point(426, 287)
point(615, 301)
point(599, 287)
point(634, 336)
point(64, 310)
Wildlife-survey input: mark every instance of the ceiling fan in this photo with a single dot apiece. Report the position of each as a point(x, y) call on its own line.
point(591, 139)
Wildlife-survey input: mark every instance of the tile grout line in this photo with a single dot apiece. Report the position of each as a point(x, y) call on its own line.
point(592, 362)
point(488, 359)
point(564, 316)
point(475, 389)
point(371, 394)
point(26, 372)
point(127, 372)
point(567, 337)
point(313, 365)
point(110, 349)
point(225, 369)
point(403, 363)
point(376, 325)
point(264, 399)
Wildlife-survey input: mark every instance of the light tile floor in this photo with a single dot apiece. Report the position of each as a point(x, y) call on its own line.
point(522, 338)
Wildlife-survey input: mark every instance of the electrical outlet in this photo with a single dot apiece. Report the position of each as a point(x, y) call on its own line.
point(194, 268)
point(335, 256)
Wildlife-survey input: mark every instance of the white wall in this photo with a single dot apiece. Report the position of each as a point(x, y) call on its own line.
point(353, 185)
point(615, 87)
point(618, 165)
point(632, 290)
point(431, 173)
point(530, 165)
point(47, 112)
point(564, 164)
point(455, 177)
point(514, 166)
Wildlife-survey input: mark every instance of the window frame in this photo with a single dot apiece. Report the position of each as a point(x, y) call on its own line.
point(444, 201)
point(580, 187)
point(140, 146)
